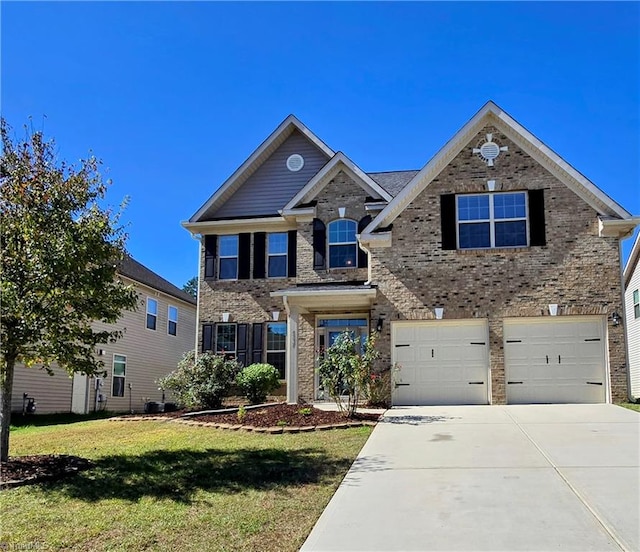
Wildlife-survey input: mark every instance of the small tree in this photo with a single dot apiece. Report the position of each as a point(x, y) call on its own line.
point(345, 369)
point(258, 380)
point(202, 381)
point(59, 256)
point(191, 287)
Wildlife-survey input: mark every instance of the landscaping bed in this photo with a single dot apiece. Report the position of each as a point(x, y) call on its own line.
point(24, 470)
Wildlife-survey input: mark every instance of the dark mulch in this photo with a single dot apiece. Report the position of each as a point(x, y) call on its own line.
point(287, 415)
point(22, 470)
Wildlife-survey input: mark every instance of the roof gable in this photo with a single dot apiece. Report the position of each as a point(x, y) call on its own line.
point(491, 114)
point(276, 139)
point(632, 261)
point(339, 162)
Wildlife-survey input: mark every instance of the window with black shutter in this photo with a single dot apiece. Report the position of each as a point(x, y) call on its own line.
point(259, 248)
point(242, 343)
point(257, 343)
point(244, 256)
point(210, 243)
point(319, 244)
point(292, 249)
point(207, 337)
point(537, 231)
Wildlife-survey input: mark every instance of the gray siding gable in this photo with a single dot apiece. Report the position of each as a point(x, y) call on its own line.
point(272, 185)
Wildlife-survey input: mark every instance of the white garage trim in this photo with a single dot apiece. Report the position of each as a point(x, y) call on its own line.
point(440, 362)
point(560, 359)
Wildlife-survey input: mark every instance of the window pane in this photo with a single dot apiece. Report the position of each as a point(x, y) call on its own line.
point(151, 321)
point(474, 235)
point(173, 328)
point(277, 336)
point(118, 387)
point(277, 244)
point(636, 311)
point(226, 338)
point(277, 266)
point(339, 322)
point(636, 296)
point(511, 234)
point(342, 256)
point(152, 306)
point(228, 269)
point(228, 246)
point(173, 314)
point(473, 207)
point(277, 360)
point(342, 231)
point(119, 365)
point(509, 206)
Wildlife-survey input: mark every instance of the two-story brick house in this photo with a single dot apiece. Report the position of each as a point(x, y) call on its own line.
point(492, 274)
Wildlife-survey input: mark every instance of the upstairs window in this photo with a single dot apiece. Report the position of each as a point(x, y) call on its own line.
point(172, 320)
point(152, 313)
point(636, 304)
point(492, 220)
point(343, 247)
point(228, 267)
point(277, 255)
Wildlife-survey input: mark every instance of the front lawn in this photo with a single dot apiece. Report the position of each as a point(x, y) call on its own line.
point(631, 406)
point(166, 486)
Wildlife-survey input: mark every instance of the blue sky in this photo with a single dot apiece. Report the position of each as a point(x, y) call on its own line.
point(173, 97)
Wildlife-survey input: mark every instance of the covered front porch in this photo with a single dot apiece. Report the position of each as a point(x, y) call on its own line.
point(316, 315)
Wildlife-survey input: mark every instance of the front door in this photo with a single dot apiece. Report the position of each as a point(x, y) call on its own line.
point(328, 330)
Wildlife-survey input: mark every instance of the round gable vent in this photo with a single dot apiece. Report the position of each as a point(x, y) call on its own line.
point(489, 150)
point(295, 162)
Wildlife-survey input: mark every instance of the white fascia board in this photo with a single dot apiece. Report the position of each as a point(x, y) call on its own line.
point(632, 261)
point(369, 292)
point(617, 228)
point(378, 239)
point(326, 173)
point(304, 214)
point(234, 226)
point(259, 155)
point(577, 182)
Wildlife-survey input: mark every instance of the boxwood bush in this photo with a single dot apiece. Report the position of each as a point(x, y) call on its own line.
point(258, 380)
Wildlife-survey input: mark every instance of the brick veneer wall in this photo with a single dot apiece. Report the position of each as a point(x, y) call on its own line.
point(576, 269)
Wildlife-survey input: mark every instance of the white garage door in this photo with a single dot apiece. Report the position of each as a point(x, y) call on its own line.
point(559, 360)
point(441, 362)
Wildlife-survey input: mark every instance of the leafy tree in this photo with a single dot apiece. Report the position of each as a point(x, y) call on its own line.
point(345, 369)
point(60, 251)
point(201, 381)
point(191, 287)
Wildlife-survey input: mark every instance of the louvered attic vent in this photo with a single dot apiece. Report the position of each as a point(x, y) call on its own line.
point(295, 162)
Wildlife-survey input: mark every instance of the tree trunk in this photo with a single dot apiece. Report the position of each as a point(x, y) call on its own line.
point(6, 388)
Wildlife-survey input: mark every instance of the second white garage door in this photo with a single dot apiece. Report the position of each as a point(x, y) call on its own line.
point(555, 360)
point(441, 362)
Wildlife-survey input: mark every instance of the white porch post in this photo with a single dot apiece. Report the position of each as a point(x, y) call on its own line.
point(292, 353)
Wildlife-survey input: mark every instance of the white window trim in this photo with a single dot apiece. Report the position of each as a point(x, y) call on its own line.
point(236, 256)
point(113, 375)
point(235, 329)
point(169, 320)
point(285, 255)
point(152, 314)
point(492, 221)
point(267, 350)
point(329, 244)
point(635, 299)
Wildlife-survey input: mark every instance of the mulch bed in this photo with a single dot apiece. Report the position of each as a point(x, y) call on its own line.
point(24, 470)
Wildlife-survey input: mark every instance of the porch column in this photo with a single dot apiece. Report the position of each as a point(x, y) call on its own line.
point(292, 354)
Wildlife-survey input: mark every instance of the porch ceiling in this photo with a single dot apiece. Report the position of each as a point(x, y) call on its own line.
point(324, 299)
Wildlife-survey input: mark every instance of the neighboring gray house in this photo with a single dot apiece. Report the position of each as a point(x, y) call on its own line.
point(156, 335)
point(632, 316)
point(492, 274)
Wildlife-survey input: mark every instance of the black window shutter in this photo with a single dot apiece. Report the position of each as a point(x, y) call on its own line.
point(241, 345)
point(292, 248)
point(448, 221)
point(256, 354)
point(244, 256)
point(210, 242)
point(207, 337)
point(537, 233)
point(259, 249)
point(363, 258)
point(319, 244)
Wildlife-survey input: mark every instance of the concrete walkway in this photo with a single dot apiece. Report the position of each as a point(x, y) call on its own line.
point(491, 478)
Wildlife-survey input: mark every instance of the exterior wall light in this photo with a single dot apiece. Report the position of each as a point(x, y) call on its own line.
point(379, 324)
point(615, 318)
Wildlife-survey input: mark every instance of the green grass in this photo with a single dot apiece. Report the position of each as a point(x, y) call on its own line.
point(164, 486)
point(631, 406)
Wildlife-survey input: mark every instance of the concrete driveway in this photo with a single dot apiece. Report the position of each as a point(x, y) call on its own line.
point(534, 477)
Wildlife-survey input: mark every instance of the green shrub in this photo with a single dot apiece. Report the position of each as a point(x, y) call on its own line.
point(203, 382)
point(257, 381)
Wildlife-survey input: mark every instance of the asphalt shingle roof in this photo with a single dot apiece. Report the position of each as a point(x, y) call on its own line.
point(393, 181)
point(140, 273)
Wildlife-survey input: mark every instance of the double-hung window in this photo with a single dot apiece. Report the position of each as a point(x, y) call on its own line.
point(276, 346)
point(172, 320)
point(226, 339)
point(152, 313)
point(343, 247)
point(277, 255)
point(228, 268)
point(492, 220)
point(636, 304)
point(118, 374)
